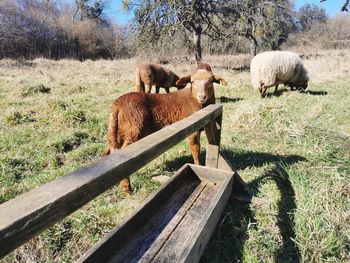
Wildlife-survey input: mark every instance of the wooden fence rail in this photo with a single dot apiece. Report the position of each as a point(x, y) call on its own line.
point(30, 213)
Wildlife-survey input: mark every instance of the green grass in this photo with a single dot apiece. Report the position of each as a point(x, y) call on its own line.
point(293, 149)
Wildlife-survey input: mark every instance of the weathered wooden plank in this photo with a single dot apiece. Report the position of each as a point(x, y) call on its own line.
point(168, 231)
point(206, 226)
point(25, 216)
point(142, 228)
point(212, 155)
point(213, 132)
point(183, 233)
point(147, 222)
point(222, 164)
point(160, 238)
point(241, 191)
point(191, 236)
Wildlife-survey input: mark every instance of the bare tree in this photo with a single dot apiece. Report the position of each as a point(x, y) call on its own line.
point(32, 28)
point(269, 21)
point(155, 18)
point(332, 34)
point(308, 15)
point(344, 7)
point(90, 9)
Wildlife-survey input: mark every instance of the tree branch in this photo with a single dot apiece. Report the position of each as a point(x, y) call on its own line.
point(344, 7)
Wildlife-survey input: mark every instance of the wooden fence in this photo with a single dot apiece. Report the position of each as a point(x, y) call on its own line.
point(27, 215)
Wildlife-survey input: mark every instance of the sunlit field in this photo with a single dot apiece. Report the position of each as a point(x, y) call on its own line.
point(292, 148)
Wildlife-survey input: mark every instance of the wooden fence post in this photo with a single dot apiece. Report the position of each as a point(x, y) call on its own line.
point(213, 132)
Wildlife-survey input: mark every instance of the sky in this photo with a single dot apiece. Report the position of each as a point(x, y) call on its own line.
point(332, 8)
point(116, 13)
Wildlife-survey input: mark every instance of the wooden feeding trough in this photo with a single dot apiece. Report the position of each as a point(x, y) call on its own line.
point(174, 224)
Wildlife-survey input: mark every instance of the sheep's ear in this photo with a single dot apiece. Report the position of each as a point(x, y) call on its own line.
point(220, 80)
point(184, 80)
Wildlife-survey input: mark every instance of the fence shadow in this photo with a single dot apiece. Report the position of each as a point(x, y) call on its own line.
point(176, 163)
point(228, 241)
point(314, 93)
point(224, 99)
point(282, 90)
point(278, 93)
point(243, 160)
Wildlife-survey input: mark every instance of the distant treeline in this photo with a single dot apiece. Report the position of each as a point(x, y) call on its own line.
point(55, 30)
point(44, 28)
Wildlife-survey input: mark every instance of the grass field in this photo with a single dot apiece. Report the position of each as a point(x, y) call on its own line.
point(292, 148)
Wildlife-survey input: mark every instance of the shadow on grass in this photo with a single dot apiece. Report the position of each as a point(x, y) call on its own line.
point(243, 160)
point(278, 93)
point(243, 68)
point(289, 251)
point(314, 93)
point(224, 99)
point(228, 241)
point(175, 164)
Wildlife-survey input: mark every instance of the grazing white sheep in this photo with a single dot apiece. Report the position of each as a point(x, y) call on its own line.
point(272, 68)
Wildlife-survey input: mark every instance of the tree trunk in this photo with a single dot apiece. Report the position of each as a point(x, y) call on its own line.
point(252, 39)
point(197, 33)
point(253, 46)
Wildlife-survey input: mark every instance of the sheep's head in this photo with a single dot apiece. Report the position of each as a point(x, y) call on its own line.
point(202, 84)
point(180, 86)
point(175, 84)
point(205, 66)
point(300, 84)
point(303, 85)
point(302, 80)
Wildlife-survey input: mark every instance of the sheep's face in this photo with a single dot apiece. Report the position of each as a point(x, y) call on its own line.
point(303, 79)
point(180, 86)
point(202, 89)
point(299, 86)
point(204, 66)
point(304, 85)
point(202, 84)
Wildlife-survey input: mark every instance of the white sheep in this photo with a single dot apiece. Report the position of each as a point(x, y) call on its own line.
point(272, 68)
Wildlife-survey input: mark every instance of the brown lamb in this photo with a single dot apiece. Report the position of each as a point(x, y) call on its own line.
point(152, 74)
point(137, 114)
point(205, 66)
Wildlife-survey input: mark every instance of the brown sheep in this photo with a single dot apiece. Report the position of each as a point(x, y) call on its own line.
point(205, 66)
point(138, 114)
point(149, 74)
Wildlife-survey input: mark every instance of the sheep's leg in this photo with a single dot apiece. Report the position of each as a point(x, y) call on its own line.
point(142, 87)
point(276, 89)
point(157, 89)
point(149, 87)
point(124, 184)
point(194, 143)
point(262, 90)
point(167, 90)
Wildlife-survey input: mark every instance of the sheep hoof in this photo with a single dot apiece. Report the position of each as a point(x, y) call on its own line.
point(128, 194)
